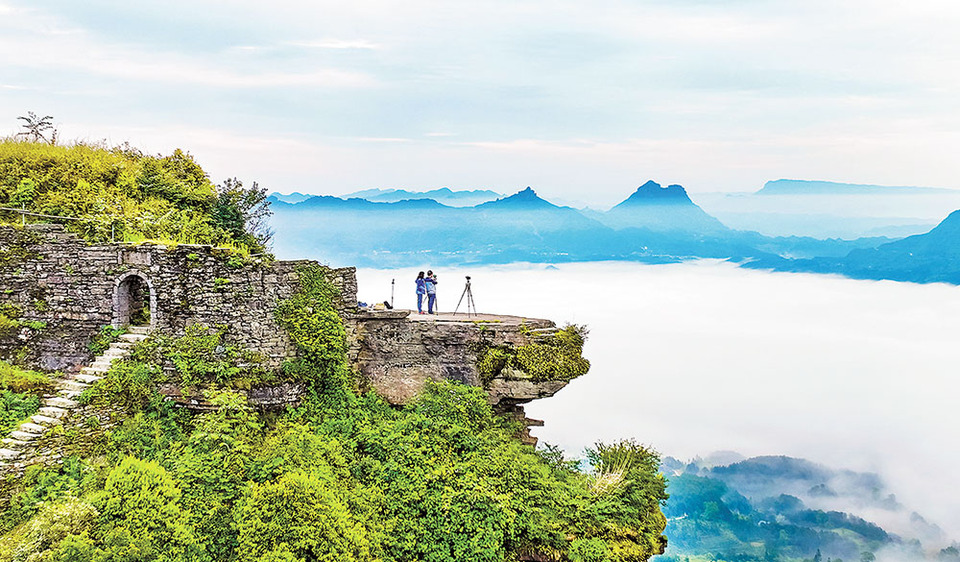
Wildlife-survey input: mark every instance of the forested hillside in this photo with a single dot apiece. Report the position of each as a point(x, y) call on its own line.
point(122, 194)
point(342, 476)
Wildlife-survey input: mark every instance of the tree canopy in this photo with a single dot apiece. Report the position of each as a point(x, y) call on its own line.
point(120, 193)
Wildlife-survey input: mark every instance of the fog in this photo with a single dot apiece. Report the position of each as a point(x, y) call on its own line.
point(698, 357)
point(831, 216)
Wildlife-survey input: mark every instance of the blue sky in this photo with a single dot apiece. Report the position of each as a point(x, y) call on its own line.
point(582, 101)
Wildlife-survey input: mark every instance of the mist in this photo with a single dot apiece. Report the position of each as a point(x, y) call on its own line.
point(697, 357)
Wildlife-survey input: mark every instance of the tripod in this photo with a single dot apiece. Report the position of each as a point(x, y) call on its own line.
point(467, 292)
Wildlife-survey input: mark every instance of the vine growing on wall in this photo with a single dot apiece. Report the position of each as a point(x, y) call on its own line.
point(312, 322)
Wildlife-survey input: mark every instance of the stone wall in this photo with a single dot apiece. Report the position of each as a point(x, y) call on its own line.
point(62, 291)
point(58, 292)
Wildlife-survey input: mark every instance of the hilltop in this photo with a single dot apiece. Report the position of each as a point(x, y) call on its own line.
point(170, 401)
point(662, 209)
point(120, 193)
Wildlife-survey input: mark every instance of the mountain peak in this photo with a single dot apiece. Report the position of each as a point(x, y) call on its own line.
point(524, 199)
point(651, 193)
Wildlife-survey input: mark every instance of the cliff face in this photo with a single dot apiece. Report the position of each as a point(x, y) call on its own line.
point(396, 354)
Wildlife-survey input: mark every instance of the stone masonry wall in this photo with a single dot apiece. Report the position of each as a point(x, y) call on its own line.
point(62, 291)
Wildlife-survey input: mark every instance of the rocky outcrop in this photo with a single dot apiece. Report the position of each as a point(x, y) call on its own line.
point(396, 354)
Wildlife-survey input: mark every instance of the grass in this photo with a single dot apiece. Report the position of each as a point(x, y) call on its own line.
point(21, 380)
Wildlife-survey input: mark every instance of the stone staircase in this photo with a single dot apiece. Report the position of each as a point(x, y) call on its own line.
point(56, 407)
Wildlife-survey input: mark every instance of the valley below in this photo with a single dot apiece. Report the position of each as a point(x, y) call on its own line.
point(704, 356)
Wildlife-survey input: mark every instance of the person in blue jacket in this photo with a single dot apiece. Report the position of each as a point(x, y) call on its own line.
point(430, 282)
point(421, 290)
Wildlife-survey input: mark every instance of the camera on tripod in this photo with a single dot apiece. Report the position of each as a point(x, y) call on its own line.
point(468, 293)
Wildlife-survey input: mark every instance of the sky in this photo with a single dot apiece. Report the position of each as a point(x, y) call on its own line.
point(582, 101)
point(705, 356)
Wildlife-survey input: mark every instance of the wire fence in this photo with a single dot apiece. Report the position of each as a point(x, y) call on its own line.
point(24, 213)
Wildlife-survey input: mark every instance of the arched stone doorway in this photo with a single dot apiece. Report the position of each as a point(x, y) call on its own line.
point(134, 301)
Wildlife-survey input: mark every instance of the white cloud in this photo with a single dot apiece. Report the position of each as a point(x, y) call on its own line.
point(42, 42)
point(716, 96)
point(705, 356)
point(337, 44)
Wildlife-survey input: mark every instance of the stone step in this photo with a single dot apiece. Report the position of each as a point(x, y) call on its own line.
point(65, 393)
point(31, 427)
point(45, 420)
point(93, 371)
point(60, 402)
point(23, 436)
point(132, 338)
point(111, 353)
point(141, 330)
point(89, 377)
point(9, 454)
point(53, 411)
point(72, 384)
point(11, 443)
point(122, 344)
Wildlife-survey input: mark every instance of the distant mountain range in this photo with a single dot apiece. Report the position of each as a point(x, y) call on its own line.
point(808, 187)
point(784, 508)
point(294, 197)
point(654, 224)
point(443, 195)
point(922, 258)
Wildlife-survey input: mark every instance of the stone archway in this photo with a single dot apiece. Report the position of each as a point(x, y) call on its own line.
point(134, 301)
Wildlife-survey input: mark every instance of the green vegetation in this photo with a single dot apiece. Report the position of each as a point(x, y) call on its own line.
point(20, 392)
point(200, 360)
point(103, 339)
point(122, 194)
point(342, 476)
point(556, 356)
point(10, 319)
point(312, 322)
point(711, 521)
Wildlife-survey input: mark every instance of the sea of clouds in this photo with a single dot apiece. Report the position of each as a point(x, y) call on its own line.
point(703, 356)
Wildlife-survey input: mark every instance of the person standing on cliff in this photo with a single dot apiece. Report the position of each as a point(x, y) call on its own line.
point(421, 290)
point(430, 282)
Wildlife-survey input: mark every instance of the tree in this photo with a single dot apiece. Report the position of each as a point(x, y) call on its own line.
point(140, 515)
point(243, 212)
point(299, 517)
point(36, 126)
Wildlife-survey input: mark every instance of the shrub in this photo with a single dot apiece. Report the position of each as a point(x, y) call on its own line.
point(129, 385)
point(554, 357)
point(299, 516)
point(44, 533)
point(22, 380)
point(140, 516)
point(102, 340)
point(128, 195)
point(14, 408)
